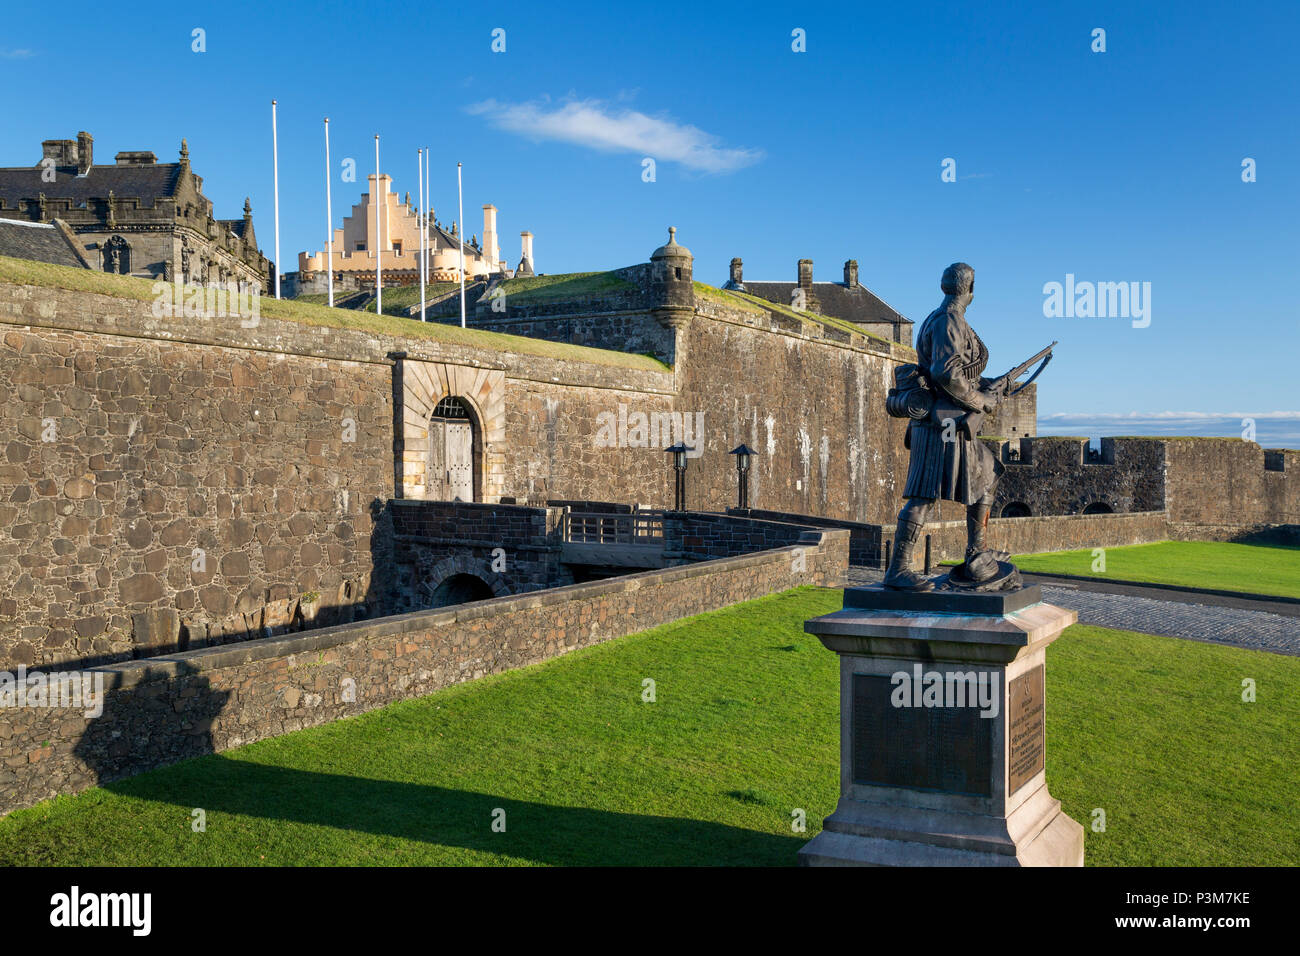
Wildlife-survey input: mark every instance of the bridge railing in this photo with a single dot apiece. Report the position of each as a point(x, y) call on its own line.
point(639, 527)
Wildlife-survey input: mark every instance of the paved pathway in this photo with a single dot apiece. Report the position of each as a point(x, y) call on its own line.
point(1258, 630)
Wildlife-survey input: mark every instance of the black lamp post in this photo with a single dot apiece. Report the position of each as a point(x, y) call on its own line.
point(678, 452)
point(743, 453)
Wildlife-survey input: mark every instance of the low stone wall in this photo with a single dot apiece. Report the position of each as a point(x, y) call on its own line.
point(1049, 533)
point(700, 536)
point(866, 548)
point(161, 710)
point(1286, 534)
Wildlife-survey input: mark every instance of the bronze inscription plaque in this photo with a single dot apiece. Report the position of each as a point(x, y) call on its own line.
point(921, 748)
point(1026, 729)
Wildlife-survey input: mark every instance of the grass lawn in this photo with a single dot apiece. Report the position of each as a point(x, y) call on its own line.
point(1249, 568)
point(743, 731)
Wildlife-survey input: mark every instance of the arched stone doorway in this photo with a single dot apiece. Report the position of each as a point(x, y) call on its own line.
point(456, 580)
point(1099, 508)
point(461, 589)
point(1016, 509)
point(455, 447)
point(420, 388)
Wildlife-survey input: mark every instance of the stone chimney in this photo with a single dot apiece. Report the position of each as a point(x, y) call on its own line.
point(851, 273)
point(491, 252)
point(140, 157)
point(805, 274)
point(85, 152)
point(62, 151)
point(736, 281)
point(806, 286)
point(526, 261)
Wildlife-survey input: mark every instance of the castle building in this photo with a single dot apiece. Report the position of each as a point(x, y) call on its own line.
point(395, 239)
point(849, 300)
point(136, 217)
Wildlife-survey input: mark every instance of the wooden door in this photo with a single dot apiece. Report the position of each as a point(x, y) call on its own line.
point(460, 460)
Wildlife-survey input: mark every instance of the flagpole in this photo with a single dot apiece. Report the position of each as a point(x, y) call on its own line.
point(329, 214)
point(460, 239)
point(275, 164)
point(428, 202)
point(379, 240)
point(419, 219)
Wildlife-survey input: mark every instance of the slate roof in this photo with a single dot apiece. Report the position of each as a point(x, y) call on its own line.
point(236, 226)
point(145, 182)
point(40, 242)
point(442, 239)
point(836, 299)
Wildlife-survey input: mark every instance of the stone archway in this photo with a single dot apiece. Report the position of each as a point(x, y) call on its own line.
point(427, 589)
point(420, 387)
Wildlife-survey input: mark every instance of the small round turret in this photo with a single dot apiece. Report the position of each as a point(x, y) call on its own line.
point(672, 289)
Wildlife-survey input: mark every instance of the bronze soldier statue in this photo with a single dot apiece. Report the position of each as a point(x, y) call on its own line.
point(946, 396)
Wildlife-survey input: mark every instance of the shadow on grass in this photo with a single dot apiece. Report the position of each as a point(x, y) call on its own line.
point(538, 832)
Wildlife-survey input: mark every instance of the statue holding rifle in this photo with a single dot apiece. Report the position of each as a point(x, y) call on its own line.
point(946, 397)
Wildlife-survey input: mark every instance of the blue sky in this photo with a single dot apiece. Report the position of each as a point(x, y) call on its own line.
point(1122, 166)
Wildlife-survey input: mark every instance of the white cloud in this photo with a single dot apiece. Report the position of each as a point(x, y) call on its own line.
point(16, 54)
point(596, 125)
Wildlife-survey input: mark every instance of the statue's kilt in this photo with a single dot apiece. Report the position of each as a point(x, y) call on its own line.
point(959, 470)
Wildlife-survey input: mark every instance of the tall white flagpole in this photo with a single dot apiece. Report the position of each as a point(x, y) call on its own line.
point(419, 219)
point(379, 239)
point(329, 214)
point(275, 162)
point(428, 202)
point(460, 200)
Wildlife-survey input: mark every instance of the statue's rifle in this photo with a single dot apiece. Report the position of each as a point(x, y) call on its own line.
point(969, 422)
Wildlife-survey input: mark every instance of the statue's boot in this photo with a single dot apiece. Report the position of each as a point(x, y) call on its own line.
point(981, 563)
point(980, 566)
point(900, 576)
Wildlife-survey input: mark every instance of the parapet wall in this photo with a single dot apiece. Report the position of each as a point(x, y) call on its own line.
point(1211, 487)
point(1051, 533)
point(163, 710)
point(870, 544)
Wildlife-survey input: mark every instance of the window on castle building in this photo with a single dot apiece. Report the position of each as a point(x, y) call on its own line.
point(361, 246)
point(397, 248)
point(678, 270)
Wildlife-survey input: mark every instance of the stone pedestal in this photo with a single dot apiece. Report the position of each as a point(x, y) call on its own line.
point(928, 776)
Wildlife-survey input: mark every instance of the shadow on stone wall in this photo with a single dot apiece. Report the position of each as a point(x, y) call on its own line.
point(538, 832)
point(130, 739)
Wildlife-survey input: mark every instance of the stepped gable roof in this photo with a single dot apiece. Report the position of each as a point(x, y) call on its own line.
point(40, 242)
point(857, 304)
point(146, 182)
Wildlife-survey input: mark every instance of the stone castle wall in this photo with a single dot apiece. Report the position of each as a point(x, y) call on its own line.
point(269, 449)
point(1058, 476)
point(813, 410)
point(155, 493)
point(1220, 488)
